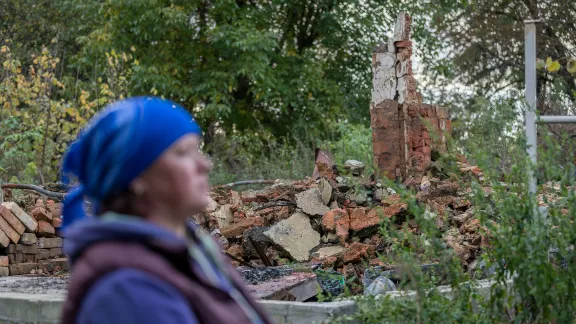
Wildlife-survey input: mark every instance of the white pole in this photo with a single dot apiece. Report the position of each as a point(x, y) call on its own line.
point(530, 79)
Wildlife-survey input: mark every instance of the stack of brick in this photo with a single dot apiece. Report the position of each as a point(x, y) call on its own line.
point(29, 239)
point(402, 126)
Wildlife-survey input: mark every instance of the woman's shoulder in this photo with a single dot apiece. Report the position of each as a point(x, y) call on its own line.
point(134, 296)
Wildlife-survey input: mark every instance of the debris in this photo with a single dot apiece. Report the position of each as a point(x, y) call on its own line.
point(296, 236)
point(357, 251)
point(225, 216)
point(310, 201)
point(379, 286)
point(329, 251)
point(337, 220)
point(355, 167)
point(325, 190)
point(237, 229)
point(331, 282)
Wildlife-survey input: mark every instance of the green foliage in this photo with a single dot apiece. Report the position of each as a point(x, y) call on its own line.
point(36, 121)
point(285, 66)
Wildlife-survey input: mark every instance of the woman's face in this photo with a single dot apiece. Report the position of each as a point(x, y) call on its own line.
point(178, 179)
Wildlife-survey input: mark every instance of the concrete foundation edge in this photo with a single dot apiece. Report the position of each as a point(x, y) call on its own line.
point(16, 308)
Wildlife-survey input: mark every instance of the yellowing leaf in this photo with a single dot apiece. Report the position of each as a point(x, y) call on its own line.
point(154, 91)
point(3, 49)
point(132, 48)
point(136, 62)
point(540, 64)
point(552, 66)
point(571, 66)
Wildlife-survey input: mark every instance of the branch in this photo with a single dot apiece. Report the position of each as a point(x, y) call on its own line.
point(53, 194)
point(243, 183)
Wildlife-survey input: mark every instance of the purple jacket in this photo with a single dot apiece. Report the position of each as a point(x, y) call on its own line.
point(139, 273)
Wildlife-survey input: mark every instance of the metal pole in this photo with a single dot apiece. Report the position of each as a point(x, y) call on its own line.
point(530, 79)
point(557, 120)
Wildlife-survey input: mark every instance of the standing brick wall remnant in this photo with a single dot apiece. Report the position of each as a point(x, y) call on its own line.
point(401, 124)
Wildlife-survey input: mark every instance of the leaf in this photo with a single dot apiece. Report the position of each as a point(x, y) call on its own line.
point(540, 64)
point(571, 66)
point(552, 66)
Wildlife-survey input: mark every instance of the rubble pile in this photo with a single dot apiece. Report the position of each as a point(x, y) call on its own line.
point(331, 224)
point(29, 238)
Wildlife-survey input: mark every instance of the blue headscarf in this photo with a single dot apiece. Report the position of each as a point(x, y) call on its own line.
point(117, 146)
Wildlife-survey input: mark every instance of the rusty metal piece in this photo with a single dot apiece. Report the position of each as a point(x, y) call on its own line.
point(261, 253)
point(242, 262)
point(321, 157)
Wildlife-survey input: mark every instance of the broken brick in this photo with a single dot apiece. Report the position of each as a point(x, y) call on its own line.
point(237, 229)
point(41, 214)
point(337, 220)
point(45, 229)
point(357, 251)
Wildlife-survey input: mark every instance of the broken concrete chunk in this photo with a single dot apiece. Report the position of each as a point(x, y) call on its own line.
point(310, 201)
point(29, 222)
point(295, 235)
point(356, 167)
point(380, 194)
point(325, 190)
point(329, 251)
point(330, 238)
point(225, 216)
point(380, 286)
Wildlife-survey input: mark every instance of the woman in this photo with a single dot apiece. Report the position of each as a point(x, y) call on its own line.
point(139, 260)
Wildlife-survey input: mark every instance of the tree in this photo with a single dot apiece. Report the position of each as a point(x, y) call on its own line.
point(273, 67)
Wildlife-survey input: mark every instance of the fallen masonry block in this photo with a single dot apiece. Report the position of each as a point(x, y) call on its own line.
point(22, 268)
point(56, 252)
point(4, 240)
point(295, 235)
point(9, 231)
point(54, 265)
point(310, 201)
point(43, 254)
point(41, 214)
point(28, 239)
point(329, 251)
point(298, 286)
point(27, 249)
point(49, 243)
point(46, 229)
point(337, 220)
point(29, 222)
point(29, 258)
point(12, 220)
point(237, 229)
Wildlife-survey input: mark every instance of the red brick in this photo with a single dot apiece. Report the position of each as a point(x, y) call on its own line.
point(237, 229)
point(54, 208)
point(360, 220)
point(45, 229)
point(337, 220)
point(403, 44)
point(40, 213)
point(57, 222)
point(12, 220)
point(9, 231)
point(358, 251)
